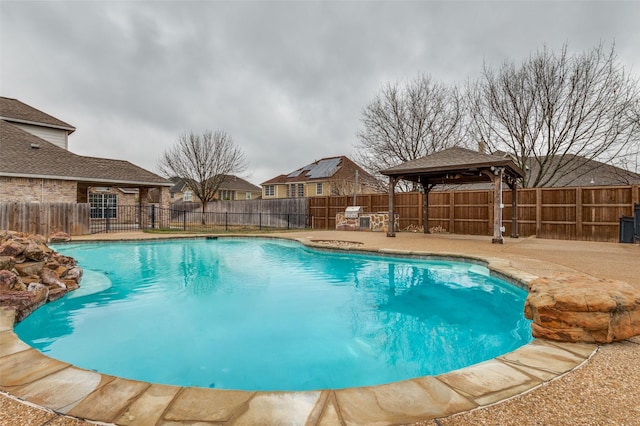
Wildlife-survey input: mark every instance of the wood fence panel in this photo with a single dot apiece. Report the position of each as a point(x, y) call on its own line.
point(45, 218)
point(527, 208)
point(602, 209)
point(588, 213)
point(558, 220)
point(439, 206)
point(469, 212)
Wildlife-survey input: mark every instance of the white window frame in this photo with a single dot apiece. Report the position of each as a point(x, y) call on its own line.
point(187, 196)
point(103, 206)
point(301, 190)
point(319, 188)
point(269, 190)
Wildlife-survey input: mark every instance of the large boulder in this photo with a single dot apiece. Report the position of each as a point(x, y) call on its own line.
point(32, 274)
point(580, 308)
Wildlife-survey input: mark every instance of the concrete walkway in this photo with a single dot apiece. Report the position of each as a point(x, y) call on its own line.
point(27, 374)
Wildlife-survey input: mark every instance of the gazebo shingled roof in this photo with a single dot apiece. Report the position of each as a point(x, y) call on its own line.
point(452, 161)
point(455, 166)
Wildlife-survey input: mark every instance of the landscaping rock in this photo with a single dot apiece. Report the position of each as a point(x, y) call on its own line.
point(32, 274)
point(25, 302)
point(10, 282)
point(59, 237)
point(26, 269)
point(36, 252)
point(6, 262)
point(11, 248)
point(580, 308)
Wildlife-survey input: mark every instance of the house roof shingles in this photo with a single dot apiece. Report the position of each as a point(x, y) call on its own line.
point(16, 111)
point(231, 182)
point(26, 155)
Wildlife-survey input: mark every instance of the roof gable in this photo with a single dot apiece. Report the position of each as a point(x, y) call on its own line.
point(15, 111)
point(26, 155)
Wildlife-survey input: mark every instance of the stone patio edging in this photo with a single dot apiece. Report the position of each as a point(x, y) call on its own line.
point(29, 375)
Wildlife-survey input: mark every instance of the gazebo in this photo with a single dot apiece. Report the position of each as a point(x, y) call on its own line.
point(459, 166)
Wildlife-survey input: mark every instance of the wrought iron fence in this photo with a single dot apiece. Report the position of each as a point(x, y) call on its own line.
point(135, 218)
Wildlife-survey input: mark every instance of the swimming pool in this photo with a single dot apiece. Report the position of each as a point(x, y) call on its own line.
point(264, 314)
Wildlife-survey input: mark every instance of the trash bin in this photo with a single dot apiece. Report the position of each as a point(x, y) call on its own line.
point(626, 229)
point(636, 215)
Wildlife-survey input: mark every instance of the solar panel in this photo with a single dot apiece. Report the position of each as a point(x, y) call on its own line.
point(324, 168)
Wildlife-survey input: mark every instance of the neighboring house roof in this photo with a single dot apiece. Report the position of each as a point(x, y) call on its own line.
point(231, 183)
point(13, 110)
point(586, 172)
point(26, 155)
point(321, 170)
point(235, 183)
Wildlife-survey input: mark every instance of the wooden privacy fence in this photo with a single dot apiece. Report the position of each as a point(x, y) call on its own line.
point(46, 218)
point(583, 213)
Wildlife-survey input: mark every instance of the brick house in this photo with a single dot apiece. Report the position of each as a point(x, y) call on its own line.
point(37, 167)
point(232, 188)
point(328, 176)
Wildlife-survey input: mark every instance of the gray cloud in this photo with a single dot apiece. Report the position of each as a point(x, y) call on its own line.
point(288, 80)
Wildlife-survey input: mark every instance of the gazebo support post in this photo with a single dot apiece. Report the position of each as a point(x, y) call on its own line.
point(497, 206)
point(391, 232)
point(426, 188)
point(514, 210)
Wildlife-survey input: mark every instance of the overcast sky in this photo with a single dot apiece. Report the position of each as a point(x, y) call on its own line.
point(288, 80)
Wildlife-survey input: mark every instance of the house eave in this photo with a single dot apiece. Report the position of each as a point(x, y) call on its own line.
point(113, 182)
point(36, 123)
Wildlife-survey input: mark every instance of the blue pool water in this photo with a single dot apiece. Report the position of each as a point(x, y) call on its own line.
point(266, 314)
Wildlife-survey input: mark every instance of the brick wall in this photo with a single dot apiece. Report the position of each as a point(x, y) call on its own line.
point(25, 190)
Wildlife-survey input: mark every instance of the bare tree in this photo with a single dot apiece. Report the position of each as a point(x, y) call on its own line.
point(406, 122)
point(555, 111)
point(203, 162)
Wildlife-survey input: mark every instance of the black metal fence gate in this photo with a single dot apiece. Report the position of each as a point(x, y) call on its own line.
point(135, 218)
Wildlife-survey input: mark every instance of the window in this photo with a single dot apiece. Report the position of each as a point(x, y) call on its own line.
point(269, 190)
point(103, 206)
point(301, 190)
point(247, 196)
point(187, 196)
point(319, 188)
point(225, 194)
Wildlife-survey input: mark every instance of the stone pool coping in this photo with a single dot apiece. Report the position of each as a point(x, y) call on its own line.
point(29, 375)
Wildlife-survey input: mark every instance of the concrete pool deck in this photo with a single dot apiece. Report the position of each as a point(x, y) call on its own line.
point(524, 375)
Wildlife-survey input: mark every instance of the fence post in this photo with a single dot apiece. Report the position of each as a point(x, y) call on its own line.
point(107, 222)
point(538, 212)
point(260, 225)
point(326, 212)
point(579, 213)
point(184, 220)
point(153, 216)
point(226, 221)
point(287, 220)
